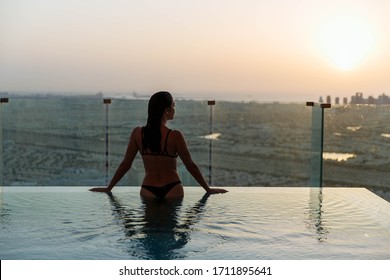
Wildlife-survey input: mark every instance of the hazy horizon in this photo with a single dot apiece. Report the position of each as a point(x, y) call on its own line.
point(179, 96)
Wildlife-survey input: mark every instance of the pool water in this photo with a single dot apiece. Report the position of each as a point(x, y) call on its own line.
point(245, 223)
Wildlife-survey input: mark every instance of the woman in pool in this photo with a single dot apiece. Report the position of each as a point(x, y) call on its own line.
point(159, 147)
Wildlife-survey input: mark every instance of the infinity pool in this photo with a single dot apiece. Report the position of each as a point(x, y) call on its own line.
point(245, 223)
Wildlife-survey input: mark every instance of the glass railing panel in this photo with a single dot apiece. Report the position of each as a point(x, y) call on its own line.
point(357, 146)
point(124, 116)
point(52, 141)
point(192, 119)
point(63, 141)
point(261, 144)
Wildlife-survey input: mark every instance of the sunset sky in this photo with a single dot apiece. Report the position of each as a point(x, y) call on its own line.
point(279, 50)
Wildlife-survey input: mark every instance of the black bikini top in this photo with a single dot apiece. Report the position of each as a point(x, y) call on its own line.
point(164, 153)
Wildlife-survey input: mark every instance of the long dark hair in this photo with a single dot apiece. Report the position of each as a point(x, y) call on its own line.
point(151, 139)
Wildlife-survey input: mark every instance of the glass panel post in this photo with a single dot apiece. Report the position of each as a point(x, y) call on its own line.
point(107, 103)
point(2, 100)
point(211, 103)
point(317, 143)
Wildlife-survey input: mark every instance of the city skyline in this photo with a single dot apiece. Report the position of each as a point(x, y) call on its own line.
point(357, 98)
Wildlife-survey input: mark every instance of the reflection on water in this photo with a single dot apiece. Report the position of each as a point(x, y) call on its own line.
point(246, 223)
point(337, 156)
point(315, 215)
point(354, 128)
point(157, 231)
point(213, 136)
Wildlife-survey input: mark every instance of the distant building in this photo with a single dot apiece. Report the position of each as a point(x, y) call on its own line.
point(358, 98)
point(383, 99)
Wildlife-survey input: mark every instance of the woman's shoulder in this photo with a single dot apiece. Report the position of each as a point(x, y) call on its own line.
point(176, 132)
point(177, 136)
point(137, 131)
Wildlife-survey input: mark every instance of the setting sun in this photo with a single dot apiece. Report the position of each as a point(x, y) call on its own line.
point(221, 49)
point(346, 42)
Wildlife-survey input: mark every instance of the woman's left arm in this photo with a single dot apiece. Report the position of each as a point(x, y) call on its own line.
point(125, 165)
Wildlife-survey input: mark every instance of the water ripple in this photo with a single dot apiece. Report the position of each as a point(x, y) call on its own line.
point(255, 223)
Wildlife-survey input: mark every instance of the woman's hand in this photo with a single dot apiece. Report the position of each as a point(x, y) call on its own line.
point(100, 190)
point(214, 191)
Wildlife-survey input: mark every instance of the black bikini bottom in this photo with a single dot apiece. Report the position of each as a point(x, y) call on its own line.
point(161, 192)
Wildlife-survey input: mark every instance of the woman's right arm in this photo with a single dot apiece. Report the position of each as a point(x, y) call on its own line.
point(191, 166)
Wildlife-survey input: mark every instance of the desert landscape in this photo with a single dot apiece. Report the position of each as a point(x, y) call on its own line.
point(62, 141)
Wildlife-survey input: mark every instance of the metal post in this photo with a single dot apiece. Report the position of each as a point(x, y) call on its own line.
point(107, 102)
point(211, 103)
point(323, 106)
point(2, 100)
point(317, 149)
